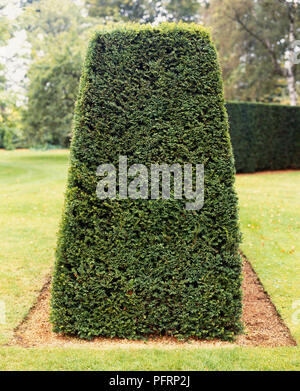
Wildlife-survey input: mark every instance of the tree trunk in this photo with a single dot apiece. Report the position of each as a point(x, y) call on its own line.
point(290, 65)
point(292, 87)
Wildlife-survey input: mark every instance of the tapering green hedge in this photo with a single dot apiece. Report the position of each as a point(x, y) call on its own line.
point(134, 268)
point(264, 136)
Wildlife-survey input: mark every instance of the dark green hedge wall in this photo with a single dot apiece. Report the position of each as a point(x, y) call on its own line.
point(264, 136)
point(149, 267)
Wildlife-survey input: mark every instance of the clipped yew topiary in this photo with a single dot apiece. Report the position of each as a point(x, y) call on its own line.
point(264, 136)
point(134, 268)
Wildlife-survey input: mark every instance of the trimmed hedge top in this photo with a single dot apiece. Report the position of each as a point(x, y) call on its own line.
point(134, 268)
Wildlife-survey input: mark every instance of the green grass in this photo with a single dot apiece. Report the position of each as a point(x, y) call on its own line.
point(227, 359)
point(31, 199)
point(270, 222)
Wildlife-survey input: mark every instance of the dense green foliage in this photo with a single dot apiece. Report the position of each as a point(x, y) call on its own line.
point(57, 33)
point(132, 268)
point(32, 186)
point(253, 55)
point(144, 11)
point(51, 98)
point(264, 136)
point(254, 39)
point(10, 133)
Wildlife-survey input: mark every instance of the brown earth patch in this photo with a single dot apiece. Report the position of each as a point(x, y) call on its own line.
point(263, 325)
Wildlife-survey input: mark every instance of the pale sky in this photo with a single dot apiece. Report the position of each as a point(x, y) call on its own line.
point(15, 67)
point(11, 55)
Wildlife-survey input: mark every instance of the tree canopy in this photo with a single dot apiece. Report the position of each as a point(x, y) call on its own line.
point(256, 46)
point(256, 42)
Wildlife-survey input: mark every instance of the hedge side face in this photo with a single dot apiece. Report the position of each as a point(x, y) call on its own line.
point(264, 136)
point(133, 268)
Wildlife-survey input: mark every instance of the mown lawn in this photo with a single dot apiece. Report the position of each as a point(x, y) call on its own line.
point(31, 199)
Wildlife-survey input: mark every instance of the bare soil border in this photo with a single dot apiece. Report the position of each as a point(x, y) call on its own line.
point(263, 324)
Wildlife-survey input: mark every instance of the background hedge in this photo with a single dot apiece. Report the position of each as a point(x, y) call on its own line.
point(264, 136)
point(136, 268)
